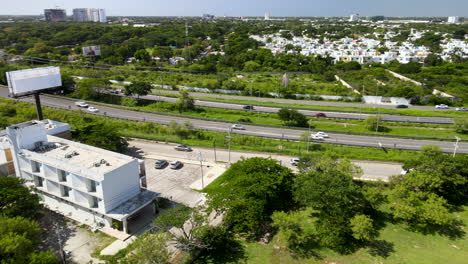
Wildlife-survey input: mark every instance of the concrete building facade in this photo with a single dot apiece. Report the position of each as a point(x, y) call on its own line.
point(55, 15)
point(93, 186)
point(89, 15)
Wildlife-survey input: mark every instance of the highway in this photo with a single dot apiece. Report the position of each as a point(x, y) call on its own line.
point(269, 132)
point(293, 101)
point(338, 115)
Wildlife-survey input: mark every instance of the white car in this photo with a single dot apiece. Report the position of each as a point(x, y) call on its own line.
point(295, 161)
point(175, 164)
point(93, 109)
point(322, 134)
point(441, 106)
point(237, 126)
point(316, 137)
point(461, 109)
point(81, 104)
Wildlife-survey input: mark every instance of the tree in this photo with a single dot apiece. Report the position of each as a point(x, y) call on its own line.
point(461, 125)
point(410, 67)
point(362, 227)
point(325, 183)
point(150, 248)
point(295, 227)
point(43, 257)
point(85, 89)
point(185, 102)
point(292, 117)
point(433, 60)
point(252, 190)
point(374, 123)
point(459, 34)
point(138, 88)
point(100, 134)
point(17, 200)
point(142, 55)
point(251, 66)
point(163, 52)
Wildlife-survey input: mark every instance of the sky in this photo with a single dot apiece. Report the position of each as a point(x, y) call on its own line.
point(245, 7)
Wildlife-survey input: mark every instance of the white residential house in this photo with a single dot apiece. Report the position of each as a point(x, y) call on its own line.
point(93, 186)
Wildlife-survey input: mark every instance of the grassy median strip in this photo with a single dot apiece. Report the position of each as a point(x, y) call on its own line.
point(12, 112)
point(409, 111)
point(355, 126)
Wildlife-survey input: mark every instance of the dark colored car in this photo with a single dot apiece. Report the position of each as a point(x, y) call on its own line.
point(248, 107)
point(183, 148)
point(320, 115)
point(401, 106)
point(159, 164)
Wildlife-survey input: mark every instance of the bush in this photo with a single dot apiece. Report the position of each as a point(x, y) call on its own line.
point(373, 123)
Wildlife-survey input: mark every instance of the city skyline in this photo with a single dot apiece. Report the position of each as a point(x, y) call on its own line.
point(246, 8)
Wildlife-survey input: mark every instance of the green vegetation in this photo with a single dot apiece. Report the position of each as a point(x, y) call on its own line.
point(182, 133)
point(19, 231)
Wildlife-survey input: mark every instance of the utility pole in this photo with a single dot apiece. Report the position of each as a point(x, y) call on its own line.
point(455, 146)
point(214, 149)
point(200, 158)
point(308, 138)
point(229, 146)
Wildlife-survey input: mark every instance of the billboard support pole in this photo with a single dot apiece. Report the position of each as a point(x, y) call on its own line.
point(38, 106)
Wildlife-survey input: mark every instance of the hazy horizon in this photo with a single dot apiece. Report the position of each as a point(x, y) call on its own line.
point(276, 8)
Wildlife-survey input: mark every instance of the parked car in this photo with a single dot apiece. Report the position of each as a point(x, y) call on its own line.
point(461, 109)
point(401, 106)
point(322, 134)
point(81, 104)
point(295, 161)
point(441, 106)
point(159, 164)
point(248, 107)
point(175, 164)
point(320, 115)
point(93, 109)
point(237, 126)
point(183, 148)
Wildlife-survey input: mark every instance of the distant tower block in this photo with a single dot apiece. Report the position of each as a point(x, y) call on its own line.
point(267, 16)
point(285, 81)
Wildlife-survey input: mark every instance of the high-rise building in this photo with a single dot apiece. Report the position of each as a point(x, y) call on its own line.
point(354, 17)
point(267, 16)
point(55, 15)
point(88, 184)
point(455, 19)
point(89, 15)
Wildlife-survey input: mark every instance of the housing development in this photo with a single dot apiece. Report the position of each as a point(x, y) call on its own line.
point(233, 138)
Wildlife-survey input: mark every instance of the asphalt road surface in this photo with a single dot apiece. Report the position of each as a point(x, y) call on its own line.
point(339, 115)
point(292, 101)
point(269, 132)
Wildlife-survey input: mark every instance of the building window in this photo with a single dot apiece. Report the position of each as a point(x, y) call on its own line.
point(36, 166)
point(92, 186)
point(62, 175)
point(66, 191)
point(94, 202)
point(39, 182)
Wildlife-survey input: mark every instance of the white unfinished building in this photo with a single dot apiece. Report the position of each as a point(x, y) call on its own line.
point(93, 186)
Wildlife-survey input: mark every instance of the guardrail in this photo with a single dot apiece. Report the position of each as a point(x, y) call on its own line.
point(259, 125)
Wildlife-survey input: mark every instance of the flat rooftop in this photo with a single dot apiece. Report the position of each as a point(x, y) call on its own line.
point(97, 160)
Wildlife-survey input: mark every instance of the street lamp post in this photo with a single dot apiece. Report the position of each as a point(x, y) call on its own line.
point(229, 145)
point(455, 146)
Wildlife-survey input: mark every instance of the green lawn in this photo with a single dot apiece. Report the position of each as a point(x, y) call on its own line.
point(398, 243)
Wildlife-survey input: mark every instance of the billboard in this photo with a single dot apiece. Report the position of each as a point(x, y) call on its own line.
point(27, 81)
point(91, 51)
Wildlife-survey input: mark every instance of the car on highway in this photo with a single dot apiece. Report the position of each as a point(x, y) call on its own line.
point(93, 109)
point(441, 106)
point(322, 134)
point(401, 106)
point(320, 115)
point(183, 148)
point(461, 109)
point(248, 107)
point(175, 164)
point(238, 127)
point(295, 161)
point(81, 104)
point(159, 164)
point(316, 137)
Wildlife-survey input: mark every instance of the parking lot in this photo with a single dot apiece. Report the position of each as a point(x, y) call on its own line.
point(179, 184)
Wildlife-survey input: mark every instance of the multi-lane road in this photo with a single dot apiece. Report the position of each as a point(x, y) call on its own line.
point(262, 131)
point(338, 115)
